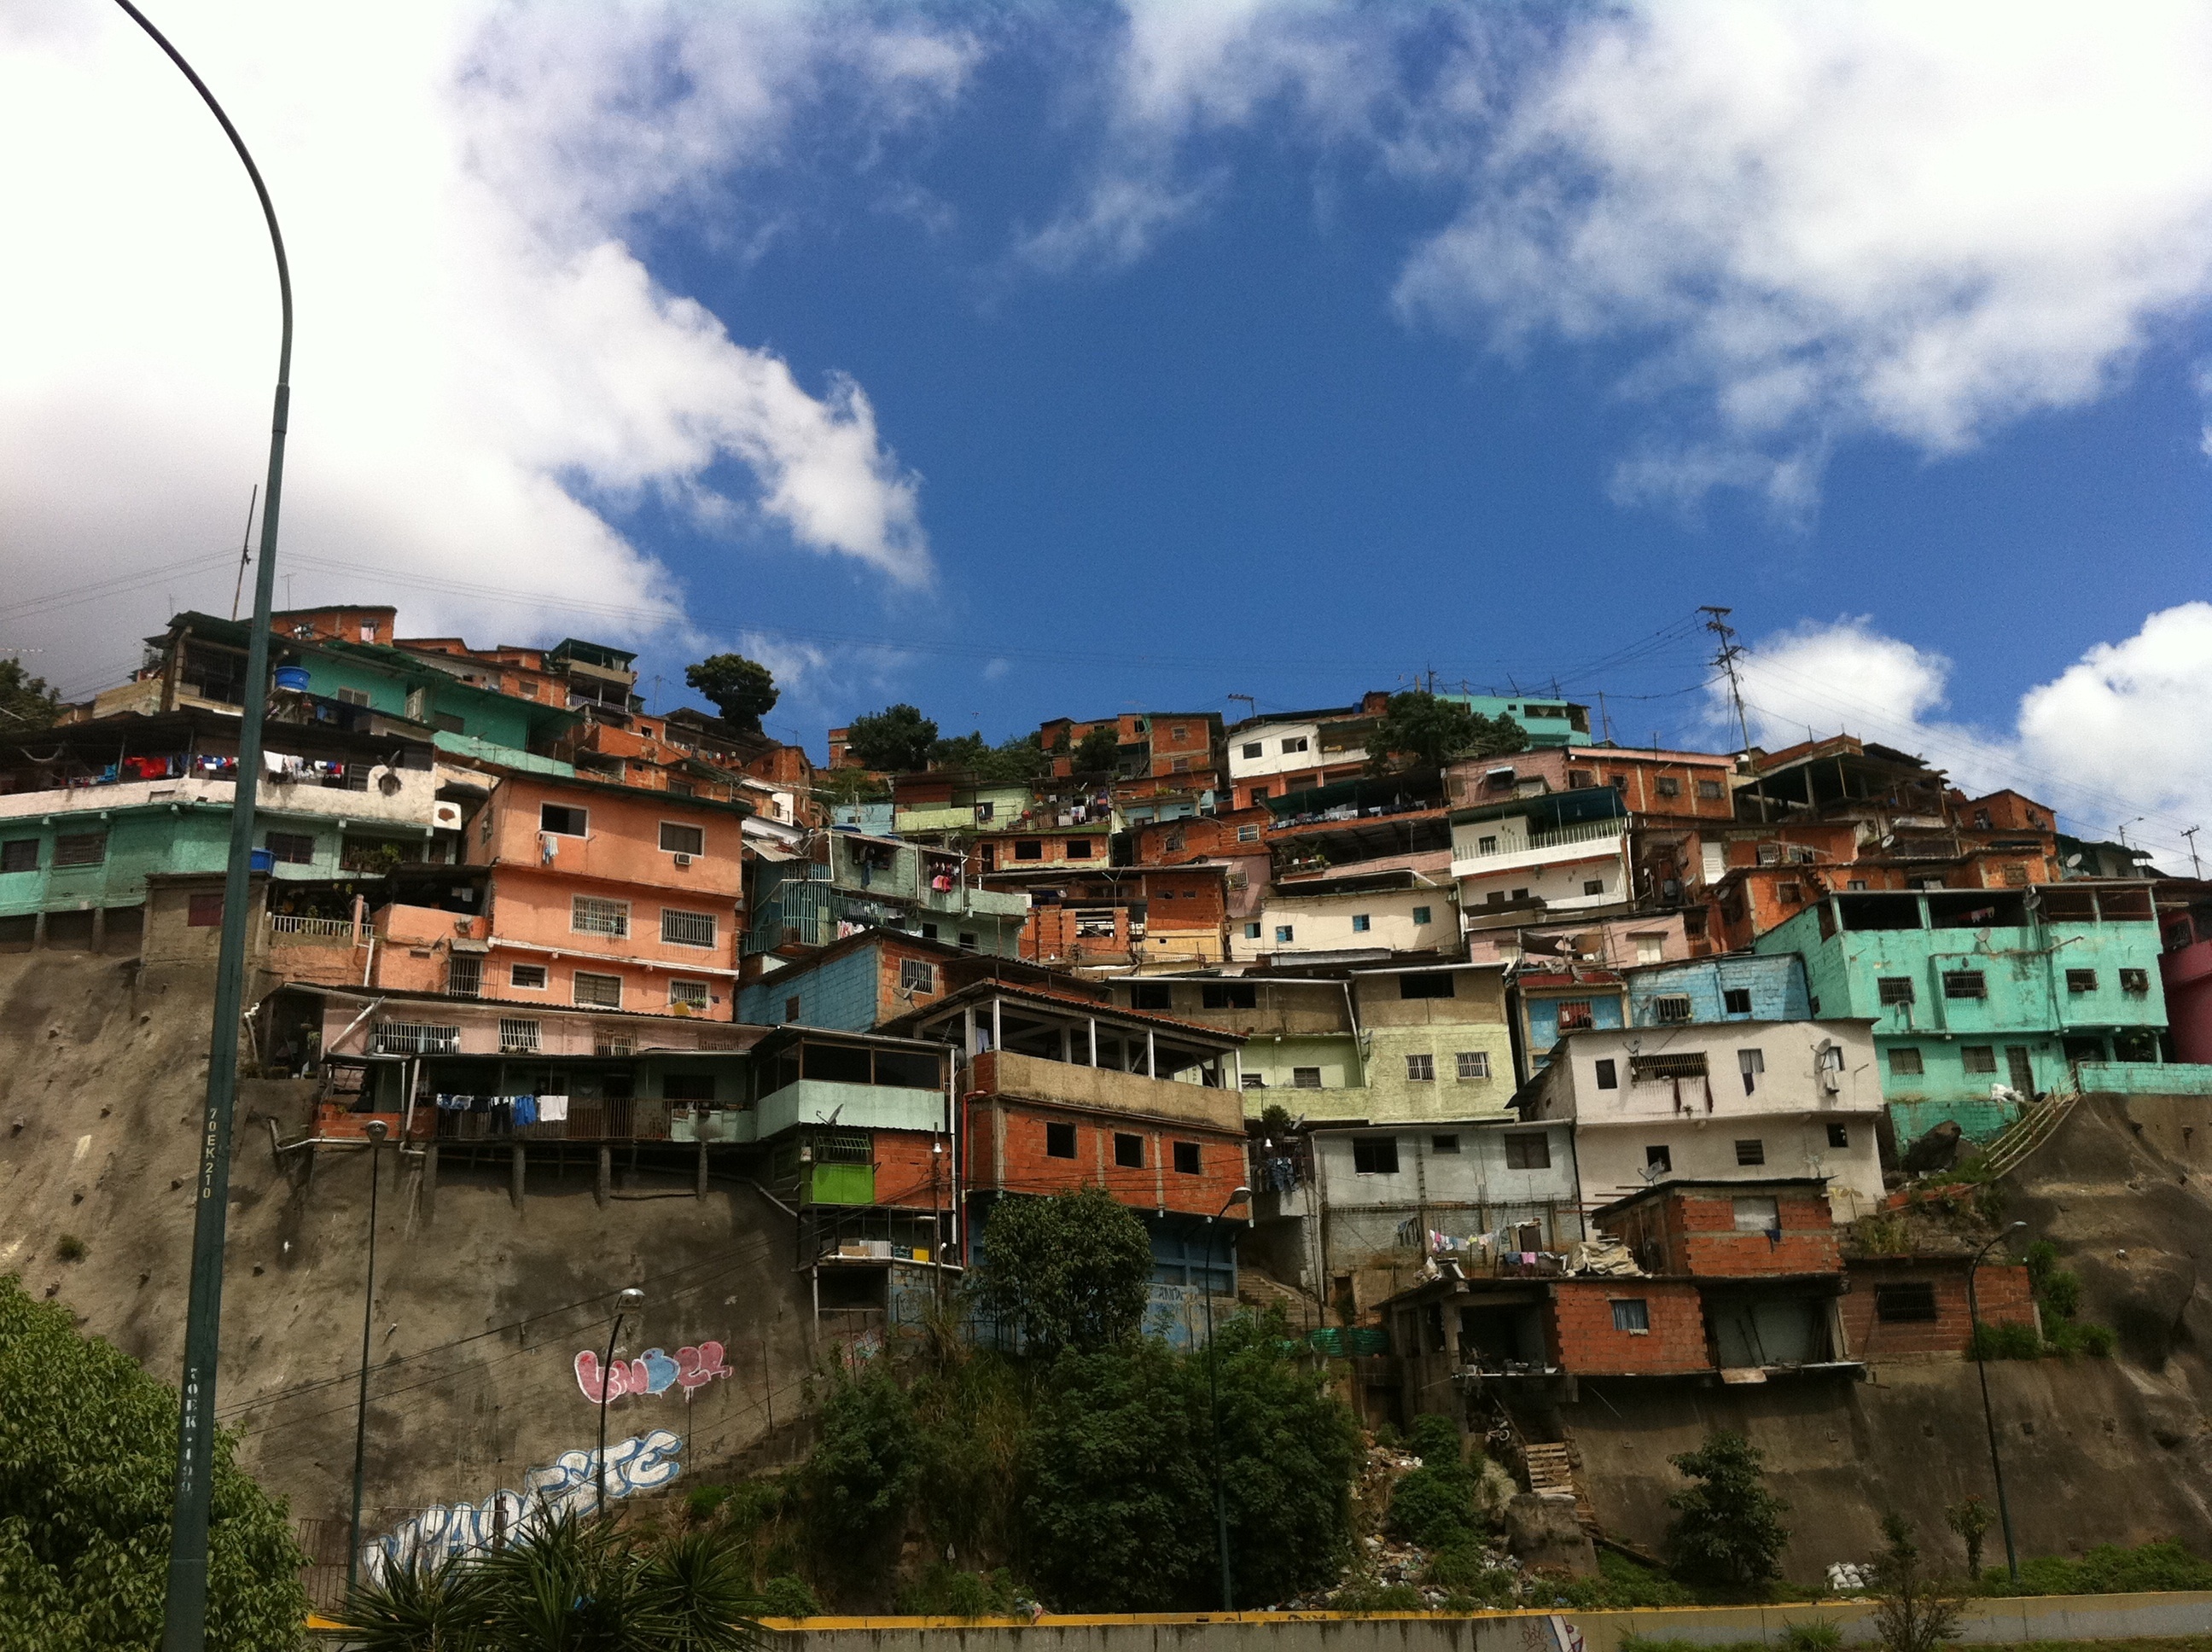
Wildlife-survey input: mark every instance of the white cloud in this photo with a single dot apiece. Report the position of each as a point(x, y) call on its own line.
point(2123, 736)
point(484, 360)
point(1818, 222)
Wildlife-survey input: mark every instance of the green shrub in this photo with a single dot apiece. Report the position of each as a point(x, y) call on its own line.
point(863, 1463)
point(2004, 1342)
point(1434, 1505)
point(701, 1501)
point(1466, 1570)
point(1370, 1597)
point(946, 1591)
point(788, 1597)
point(2108, 1569)
point(1653, 1643)
point(1728, 1526)
point(71, 1248)
point(1817, 1636)
point(1622, 1585)
point(1388, 1438)
point(1072, 1271)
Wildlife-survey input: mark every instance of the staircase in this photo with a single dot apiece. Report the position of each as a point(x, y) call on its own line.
point(1258, 1289)
point(1551, 1474)
point(2009, 1148)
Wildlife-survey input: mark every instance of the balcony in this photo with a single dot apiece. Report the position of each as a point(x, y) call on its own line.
point(849, 1106)
point(1590, 840)
point(1102, 1090)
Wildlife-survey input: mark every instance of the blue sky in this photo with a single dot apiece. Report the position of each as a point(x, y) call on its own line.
point(1028, 362)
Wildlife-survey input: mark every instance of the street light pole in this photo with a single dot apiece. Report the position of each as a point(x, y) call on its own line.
point(628, 1302)
point(1213, 1395)
point(376, 1131)
point(1988, 1418)
point(184, 1627)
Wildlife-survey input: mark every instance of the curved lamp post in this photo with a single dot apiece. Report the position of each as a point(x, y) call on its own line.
point(376, 1131)
point(184, 1627)
point(1989, 1419)
point(1242, 1195)
point(628, 1303)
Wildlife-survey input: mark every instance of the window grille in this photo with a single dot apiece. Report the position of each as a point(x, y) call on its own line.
point(590, 914)
point(518, 1035)
point(601, 991)
point(415, 1038)
point(686, 928)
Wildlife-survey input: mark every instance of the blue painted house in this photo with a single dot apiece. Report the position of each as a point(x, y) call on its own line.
point(1735, 986)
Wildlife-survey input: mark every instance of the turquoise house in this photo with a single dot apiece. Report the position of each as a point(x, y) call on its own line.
point(1549, 722)
point(1978, 993)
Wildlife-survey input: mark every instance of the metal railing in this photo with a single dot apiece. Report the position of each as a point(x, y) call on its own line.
point(315, 929)
point(1589, 832)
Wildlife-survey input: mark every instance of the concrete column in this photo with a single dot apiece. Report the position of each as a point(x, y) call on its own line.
point(998, 1034)
point(100, 929)
point(1152, 1056)
point(700, 1186)
point(1066, 1045)
point(514, 1172)
point(429, 1183)
point(1091, 1025)
point(605, 1189)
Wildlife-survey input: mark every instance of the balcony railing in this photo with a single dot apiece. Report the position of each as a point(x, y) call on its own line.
point(1066, 1083)
point(286, 924)
point(1588, 832)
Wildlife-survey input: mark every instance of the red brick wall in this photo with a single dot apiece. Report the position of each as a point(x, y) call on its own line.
point(907, 1172)
point(892, 1001)
point(1695, 1233)
point(2002, 1290)
point(1184, 901)
point(1201, 836)
point(1583, 1339)
point(1006, 1151)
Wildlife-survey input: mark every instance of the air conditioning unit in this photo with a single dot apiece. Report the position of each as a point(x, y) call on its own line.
point(446, 814)
point(681, 861)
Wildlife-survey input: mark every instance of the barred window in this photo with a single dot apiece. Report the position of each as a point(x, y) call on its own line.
point(416, 1038)
point(1421, 1069)
point(1474, 1064)
point(81, 849)
point(517, 1034)
point(601, 991)
point(1968, 983)
point(1894, 989)
point(1672, 1007)
point(293, 848)
point(687, 994)
point(1661, 1069)
point(1575, 1015)
point(1910, 1303)
point(590, 914)
point(2081, 981)
point(531, 977)
point(686, 928)
point(917, 976)
point(20, 855)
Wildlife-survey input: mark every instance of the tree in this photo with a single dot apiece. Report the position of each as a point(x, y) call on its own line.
point(896, 740)
point(1418, 730)
point(1912, 1614)
point(1434, 1505)
point(742, 690)
point(1072, 1271)
point(87, 1449)
point(1096, 752)
point(862, 1470)
point(26, 702)
point(1972, 1520)
point(1728, 1526)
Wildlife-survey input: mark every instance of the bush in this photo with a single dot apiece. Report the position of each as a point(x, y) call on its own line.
point(87, 1450)
point(1728, 1526)
point(2108, 1569)
point(946, 1591)
point(1621, 1585)
point(702, 1501)
point(1434, 1505)
point(1912, 1614)
point(1817, 1636)
point(2004, 1342)
point(1653, 1643)
point(788, 1597)
point(1372, 1597)
point(862, 1470)
point(1070, 1271)
point(69, 1249)
point(1466, 1570)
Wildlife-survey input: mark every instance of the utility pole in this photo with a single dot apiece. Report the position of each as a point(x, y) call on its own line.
point(184, 1627)
point(1730, 651)
point(2196, 866)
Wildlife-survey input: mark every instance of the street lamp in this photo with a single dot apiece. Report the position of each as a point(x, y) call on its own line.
point(628, 1302)
point(1989, 1421)
point(1242, 1195)
point(377, 1130)
point(184, 1626)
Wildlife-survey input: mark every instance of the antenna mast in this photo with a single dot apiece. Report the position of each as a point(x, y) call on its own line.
point(1730, 651)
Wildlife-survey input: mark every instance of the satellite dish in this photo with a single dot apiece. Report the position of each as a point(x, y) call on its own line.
point(2073, 863)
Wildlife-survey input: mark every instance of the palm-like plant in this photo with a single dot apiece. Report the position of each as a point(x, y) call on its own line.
point(572, 1584)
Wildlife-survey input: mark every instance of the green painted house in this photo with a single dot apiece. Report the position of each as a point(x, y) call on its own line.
point(1977, 993)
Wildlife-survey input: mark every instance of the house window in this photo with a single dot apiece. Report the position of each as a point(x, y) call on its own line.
point(1179, 765)
point(686, 928)
point(929, 930)
point(1420, 915)
point(293, 848)
point(1969, 983)
point(791, 1009)
point(20, 855)
point(1448, 1145)
point(1427, 983)
point(204, 911)
point(967, 941)
point(1285, 933)
point(600, 992)
point(985, 812)
point(2135, 983)
point(1079, 848)
point(517, 1034)
point(2077, 981)
point(1790, 895)
point(529, 977)
point(1295, 743)
point(1752, 1152)
point(1128, 1150)
point(687, 994)
point(1751, 1063)
point(1186, 1161)
point(1905, 1061)
point(1910, 1301)
point(1669, 786)
point(1152, 997)
point(1710, 790)
point(1840, 1135)
point(561, 820)
point(1251, 932)
point(1576, 1014)
point(352, 697)
point(1255, 748)
point(1059, 1141)
point(1305, 1077)
point(1248, 833)
point(1360, 923)
point(917, 976)
point(677, 838)
point(1979, 1058)
point(1855, 883)
point(1229, 995)
point(2015, 874)
point(1179, 733)
point(80, 849)
point(1608, 1074)
point(1649, 949)
point(1473, 1064)
point(1672, 1007)
point(1375, 1156)
point(591, 915)
point(1527, 1149)
point(1173, 842)
point(1421, 1069)
point(1631, 1314)
point(1485, 845)
point(1661, 1159)
point(1736, 1000)
point(1593, 885)
point(1029, 849)
point(1261, 793)
point(1894, 989)
point(1755, 1214)
point(1256, 1081)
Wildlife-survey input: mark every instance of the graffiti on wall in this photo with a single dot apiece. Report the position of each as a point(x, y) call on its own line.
point(656, 1371)
point(641, 1463)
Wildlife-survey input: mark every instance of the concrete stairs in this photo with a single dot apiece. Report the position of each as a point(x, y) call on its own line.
point(1258, 1289)
point(1550, 1466)
point(2010, 1148)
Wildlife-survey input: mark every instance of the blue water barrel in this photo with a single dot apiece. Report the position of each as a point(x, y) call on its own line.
point(292, 676)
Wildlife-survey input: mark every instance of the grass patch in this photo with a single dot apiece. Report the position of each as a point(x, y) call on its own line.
point(2107, 1569)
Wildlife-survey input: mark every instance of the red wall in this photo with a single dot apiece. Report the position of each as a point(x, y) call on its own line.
point(2002, 1292)
point(1695, 1233)
point(1583, 1341)
point(1005, 1152)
